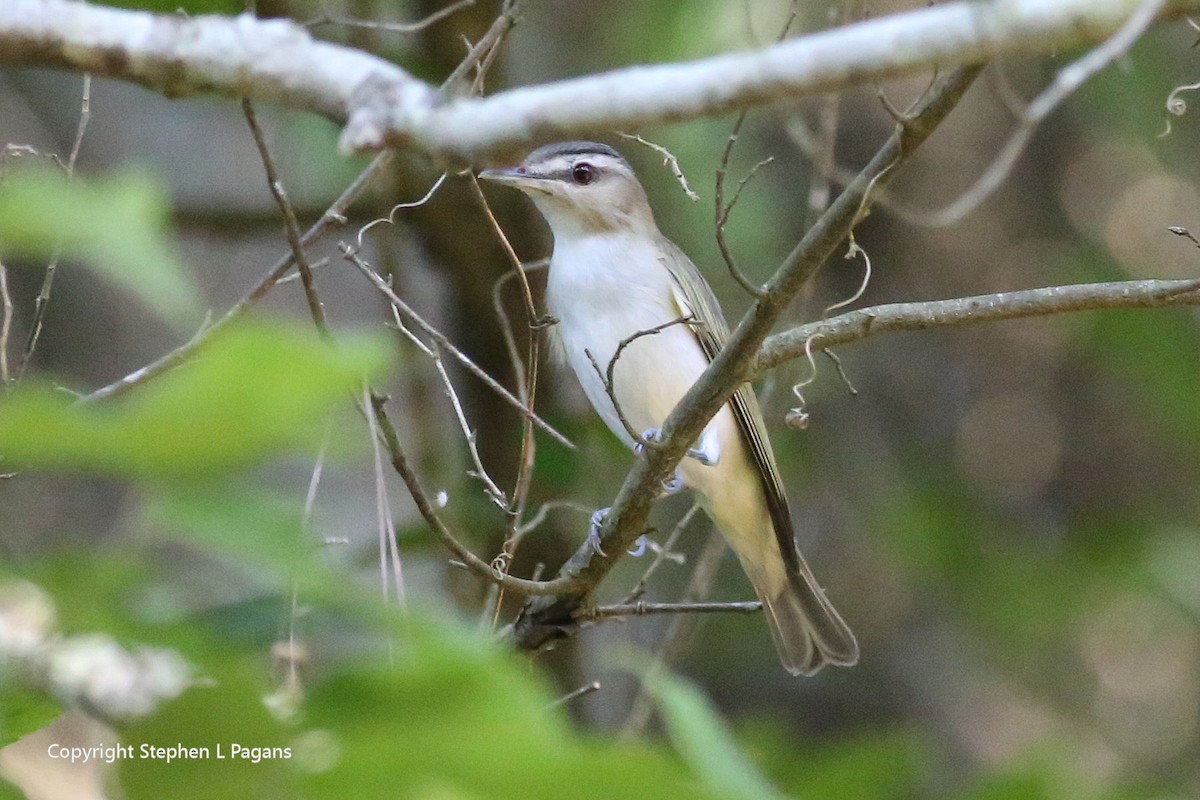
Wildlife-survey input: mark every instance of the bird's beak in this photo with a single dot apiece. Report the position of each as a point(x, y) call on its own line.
point(511, 176)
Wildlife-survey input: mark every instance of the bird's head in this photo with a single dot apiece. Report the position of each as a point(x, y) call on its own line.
point(581, 188)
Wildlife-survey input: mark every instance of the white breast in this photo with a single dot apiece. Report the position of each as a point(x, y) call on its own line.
point(604, 288)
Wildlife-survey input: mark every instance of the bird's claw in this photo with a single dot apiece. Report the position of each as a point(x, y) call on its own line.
point(673, 484)
point(701, 455)
point(639, 547)
point(593, 537)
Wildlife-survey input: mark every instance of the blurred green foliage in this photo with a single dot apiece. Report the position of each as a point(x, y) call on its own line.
point(118, 225)
point(257, 389)
point(188, 6)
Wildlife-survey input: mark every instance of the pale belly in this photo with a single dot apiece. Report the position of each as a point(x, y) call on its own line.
point(601, 303)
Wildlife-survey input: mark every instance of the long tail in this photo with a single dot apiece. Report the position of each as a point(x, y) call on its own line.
point(807, 630)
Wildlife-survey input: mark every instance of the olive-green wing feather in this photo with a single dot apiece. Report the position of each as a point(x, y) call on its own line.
point(712, 331)
point(807, 629)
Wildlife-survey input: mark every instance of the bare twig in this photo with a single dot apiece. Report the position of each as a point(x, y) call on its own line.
point(544, 510)
point(606, 377)
point(723, 209)
point(429, 512)
point(493, 491)
point(675, 642)
point(6, 314)
point(335, 214)
point(1185, 233)
point(669, 160)
point(42, 302)
point(859, 324)
point(350, 255)
point(1063, 86)
point(528, 386)
point(294, 237)
point(642, 609)
point(664, 553)
point(518, 528)
point(500, 27)
point(392, 27)
point(389, 548)
point(586, 689)
point(535, 320)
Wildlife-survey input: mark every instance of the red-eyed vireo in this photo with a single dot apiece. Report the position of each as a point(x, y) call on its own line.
point(613, 274)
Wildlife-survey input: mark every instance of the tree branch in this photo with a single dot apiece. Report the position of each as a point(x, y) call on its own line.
point(382, 104)
point(861, 323)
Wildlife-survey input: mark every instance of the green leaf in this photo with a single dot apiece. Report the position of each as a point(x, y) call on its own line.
point(254, 390)
point(703, 740)
point(116, 226)
point(22, 711)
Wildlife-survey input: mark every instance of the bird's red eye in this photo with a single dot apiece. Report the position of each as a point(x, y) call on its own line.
point(583, 173)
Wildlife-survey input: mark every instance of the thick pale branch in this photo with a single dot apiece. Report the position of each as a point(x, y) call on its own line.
point(864, 322)
point(382, 104)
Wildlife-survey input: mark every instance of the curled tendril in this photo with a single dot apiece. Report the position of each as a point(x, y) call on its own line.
point(798, 417)
point(1176, 105)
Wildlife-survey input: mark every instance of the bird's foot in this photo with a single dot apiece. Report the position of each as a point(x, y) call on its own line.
point(673, 484)
point(705, 455)
point(593, 537)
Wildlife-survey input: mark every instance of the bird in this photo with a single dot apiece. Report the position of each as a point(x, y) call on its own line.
point(613, 275)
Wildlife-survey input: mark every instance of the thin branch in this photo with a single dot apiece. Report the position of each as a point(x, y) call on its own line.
point(535, 320)
point(6, 315)
point(722, 210)
point(528, 386)
point(42, 301)
point(855, 325)
point(493, 491)
point(664, 553)
point(389, 548)
point(1063, 86)
point(294, 237)
point(480, 51)
point(429, 512)
point(544, 510)
point(642, 609)
point(675, 641)
point(607, 376)
point(669, 161)
point(393, 27)
point(350, 255)
point(335, 214)
point(382, 105)
point(586, 689)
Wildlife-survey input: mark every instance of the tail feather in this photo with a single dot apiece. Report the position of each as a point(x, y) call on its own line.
point(807, 630)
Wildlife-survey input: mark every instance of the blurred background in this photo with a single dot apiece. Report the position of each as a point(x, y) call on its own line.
point(1007, 515)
